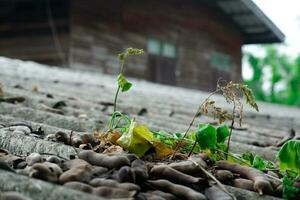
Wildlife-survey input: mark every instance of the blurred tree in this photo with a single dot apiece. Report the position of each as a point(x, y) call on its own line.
point(284, 78)
point(256, 82)
point(294, 84)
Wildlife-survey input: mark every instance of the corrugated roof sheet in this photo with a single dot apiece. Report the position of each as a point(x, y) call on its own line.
point(255, 26)
point(88, 98)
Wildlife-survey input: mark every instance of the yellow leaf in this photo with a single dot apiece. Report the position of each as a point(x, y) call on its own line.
point(161, 150)
point(137, 140)
point(143, 132)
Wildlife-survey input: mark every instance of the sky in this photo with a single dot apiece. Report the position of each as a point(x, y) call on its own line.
point(285, 14)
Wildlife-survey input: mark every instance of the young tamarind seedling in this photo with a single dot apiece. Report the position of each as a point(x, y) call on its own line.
point(123, 84)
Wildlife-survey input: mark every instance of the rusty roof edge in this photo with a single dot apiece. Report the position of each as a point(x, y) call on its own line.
point(266, 20)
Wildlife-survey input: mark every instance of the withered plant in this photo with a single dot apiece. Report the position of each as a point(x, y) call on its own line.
point(232, 92)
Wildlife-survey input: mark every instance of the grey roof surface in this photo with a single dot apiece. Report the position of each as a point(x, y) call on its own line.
point(255, 26)
point(88, 97)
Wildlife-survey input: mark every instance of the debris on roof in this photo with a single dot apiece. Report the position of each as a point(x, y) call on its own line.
point(75, 103)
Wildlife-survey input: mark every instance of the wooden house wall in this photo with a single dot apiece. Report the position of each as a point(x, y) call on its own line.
point(197, 30)
point(99, 32)
point(25, 31)
point(93, 32)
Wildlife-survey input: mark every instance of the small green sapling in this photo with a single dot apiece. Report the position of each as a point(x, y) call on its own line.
point(124, 85)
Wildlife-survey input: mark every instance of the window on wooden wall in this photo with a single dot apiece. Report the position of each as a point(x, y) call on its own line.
point(221, 61)
point(222, 66)
point(154, 46)
point(162, 61)
point(161, 48)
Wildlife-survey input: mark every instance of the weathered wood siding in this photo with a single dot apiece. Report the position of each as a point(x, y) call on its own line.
point(25, 30)
point(91, 34)
point(101, 31)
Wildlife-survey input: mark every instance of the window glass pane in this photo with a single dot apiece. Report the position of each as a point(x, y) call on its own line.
point(169, 50)
point(153, 46)
point(221, 61)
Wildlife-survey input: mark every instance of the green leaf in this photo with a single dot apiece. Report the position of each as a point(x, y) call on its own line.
point(206, 136)
point(289, 156)
point(259, 163)
point(248, 156)
point(178, 135)
point(289, 190)
point(189, 141)
point(201, 125)
point(164, 137)
point(222, 133)
point(222, 147)
point(122, 56)
point(123, 83)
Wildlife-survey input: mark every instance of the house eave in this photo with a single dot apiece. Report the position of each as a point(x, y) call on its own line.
point(255, 26)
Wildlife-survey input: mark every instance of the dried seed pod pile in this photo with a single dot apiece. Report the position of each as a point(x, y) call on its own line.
point(126, 176)
point(118, 174)
point(111, 176)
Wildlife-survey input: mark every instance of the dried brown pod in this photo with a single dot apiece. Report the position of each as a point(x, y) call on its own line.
point(79, 186)
point(97, 182)
point(34, 158)
point(188, 167)
point(175, 176)
point(103, 191)
point(45, 171)
point(262, 184)
point(113, 193)
point(224, 176)
point(76, 170)
point(104, 160)
point(243, 184)
point(180, 191)
point(125, 174)
point(140, 170)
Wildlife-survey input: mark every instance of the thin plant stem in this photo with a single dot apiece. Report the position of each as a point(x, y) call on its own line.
point(194, 145)
point(235, 157)
point(122, 64)
point(113, 125)
point(112, 119)
point(230, 133)
point(118, 90)
point(191, 123)
point(116, 97)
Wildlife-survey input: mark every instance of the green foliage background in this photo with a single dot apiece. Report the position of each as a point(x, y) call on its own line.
point(285, 71)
